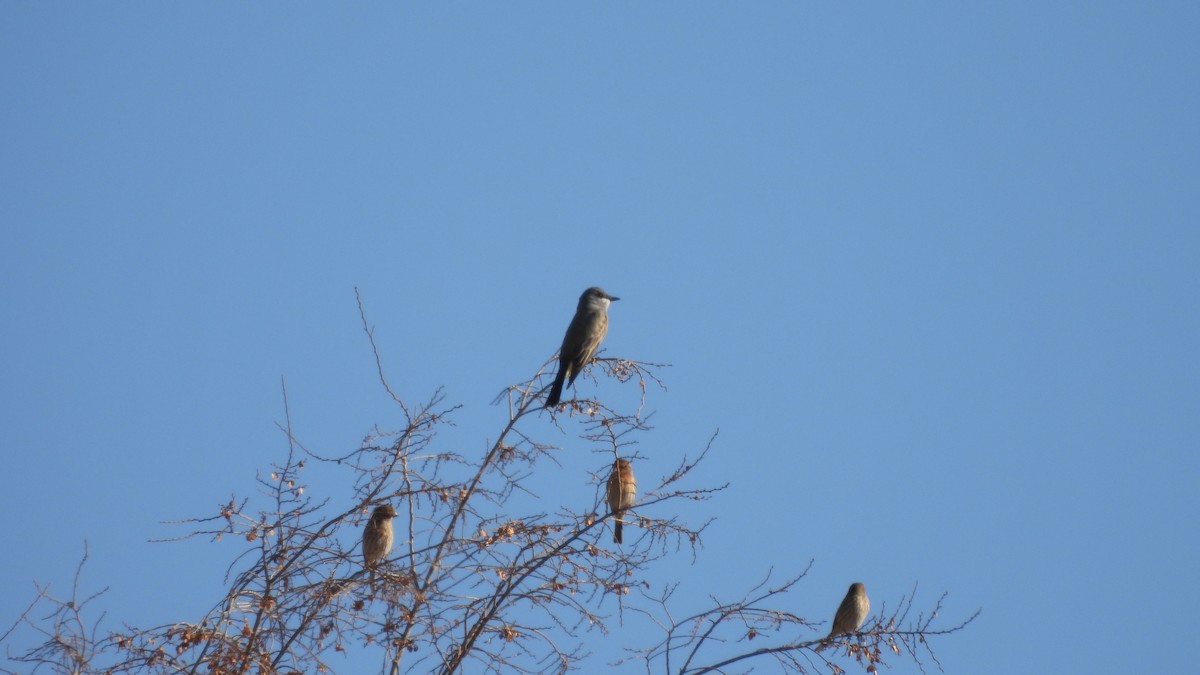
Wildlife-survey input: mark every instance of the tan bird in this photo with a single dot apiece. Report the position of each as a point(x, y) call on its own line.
point(850, 614)
point(622, 489)
point(377, 535)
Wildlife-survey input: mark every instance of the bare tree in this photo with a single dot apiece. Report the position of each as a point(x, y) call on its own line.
point(481, 578)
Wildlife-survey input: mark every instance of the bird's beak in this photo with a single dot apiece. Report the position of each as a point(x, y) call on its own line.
point(613, 298)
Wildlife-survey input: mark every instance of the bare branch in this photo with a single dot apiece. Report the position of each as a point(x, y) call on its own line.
point(481, 572)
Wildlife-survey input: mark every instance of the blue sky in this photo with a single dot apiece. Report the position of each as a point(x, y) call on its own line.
point(947, 253)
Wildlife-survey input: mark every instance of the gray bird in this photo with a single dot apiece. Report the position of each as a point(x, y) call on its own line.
point(583, 338)
point(378, 536)
point(622, 490)
point(850, 614)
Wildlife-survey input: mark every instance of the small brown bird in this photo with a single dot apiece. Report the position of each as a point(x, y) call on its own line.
point(622, 489)
point(377, 535)
point(850, 614)
point(583, 338)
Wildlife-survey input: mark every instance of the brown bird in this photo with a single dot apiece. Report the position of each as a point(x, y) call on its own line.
point(622, 489)
point(377, 535)
point(583, 338)
point(850, 614)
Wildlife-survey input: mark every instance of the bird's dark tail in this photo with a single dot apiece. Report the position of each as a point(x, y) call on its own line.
point(556, 388)
point(617, 530)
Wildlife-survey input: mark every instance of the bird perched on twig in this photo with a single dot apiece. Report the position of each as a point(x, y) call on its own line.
point(622, 489)
point(377, 535)
point(850, 614)
point(583, 338)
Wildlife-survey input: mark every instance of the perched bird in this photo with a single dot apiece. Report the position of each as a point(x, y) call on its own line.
point(622, 489)
point(850, 614)
point(583, 337)
point(377, 535)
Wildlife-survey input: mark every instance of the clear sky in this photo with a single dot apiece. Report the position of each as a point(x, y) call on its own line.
point(945, 253)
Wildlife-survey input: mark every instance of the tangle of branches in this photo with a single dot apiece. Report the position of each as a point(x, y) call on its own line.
point(482, 577)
